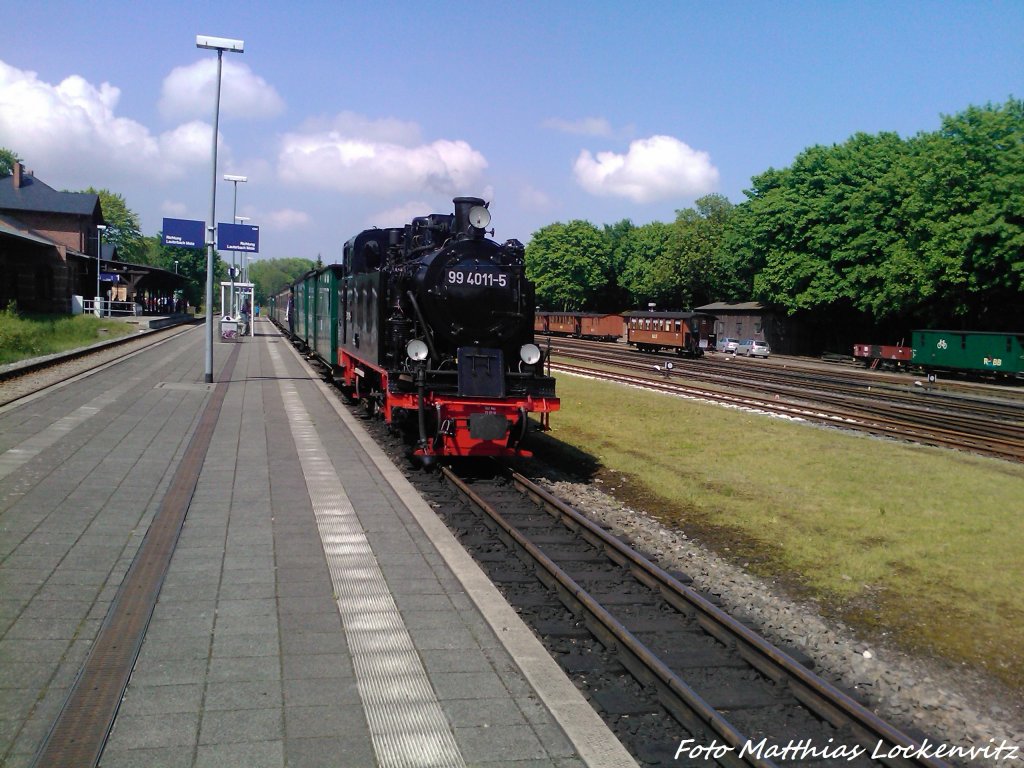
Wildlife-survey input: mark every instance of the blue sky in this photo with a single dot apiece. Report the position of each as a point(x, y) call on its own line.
point(345, 115)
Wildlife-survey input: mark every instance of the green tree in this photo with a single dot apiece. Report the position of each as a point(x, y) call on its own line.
point(698, 272)
point(568, 263)
point(123, 228)
point(614, 296)
point(7, 160)
point(271, 276)
point(816, 238)
point(966, 210)
point(881, 232)
point(645, 257)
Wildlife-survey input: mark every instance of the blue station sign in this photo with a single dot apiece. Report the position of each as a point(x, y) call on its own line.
point(184, 233)
point(238, 237)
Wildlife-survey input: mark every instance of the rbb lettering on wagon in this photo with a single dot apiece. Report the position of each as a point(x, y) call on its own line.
point(483, 279)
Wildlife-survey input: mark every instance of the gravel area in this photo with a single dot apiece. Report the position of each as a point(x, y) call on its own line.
point(951, 705)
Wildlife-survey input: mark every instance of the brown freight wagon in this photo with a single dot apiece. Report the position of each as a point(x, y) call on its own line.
point(602, 327)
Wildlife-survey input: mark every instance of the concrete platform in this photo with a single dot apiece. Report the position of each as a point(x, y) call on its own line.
point(315, 612)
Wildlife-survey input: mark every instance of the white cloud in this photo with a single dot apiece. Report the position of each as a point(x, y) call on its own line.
point(173, 209)
point(189, 143)
point(355, 154)
point(657, 168)
point(534, 199)
point(285, 218)
point(386, 130)
point(587, 126)
point(400, 215)
point(74, 126)
point(190, 92)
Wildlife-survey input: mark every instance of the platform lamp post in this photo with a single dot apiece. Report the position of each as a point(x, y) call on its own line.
point(98, 309)
point(218, 44)
point(244, 256)
point(234, 218)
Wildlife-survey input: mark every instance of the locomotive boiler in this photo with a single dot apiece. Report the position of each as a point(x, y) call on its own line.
point(435, 331)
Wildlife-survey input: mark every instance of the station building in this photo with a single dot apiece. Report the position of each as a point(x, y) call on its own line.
point(48, 251)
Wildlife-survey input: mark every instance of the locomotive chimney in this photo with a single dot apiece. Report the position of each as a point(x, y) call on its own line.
point(462, 208)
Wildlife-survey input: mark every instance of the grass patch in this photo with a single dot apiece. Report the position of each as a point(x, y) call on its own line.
point(919, 544)
point(27, 336)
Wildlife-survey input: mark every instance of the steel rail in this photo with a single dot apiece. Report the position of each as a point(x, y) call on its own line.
point(821, 696)
point(679, 698)
point(1002, 403)
point(1011, 449)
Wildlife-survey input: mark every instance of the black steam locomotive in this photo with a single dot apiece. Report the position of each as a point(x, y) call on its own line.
point(434, 330)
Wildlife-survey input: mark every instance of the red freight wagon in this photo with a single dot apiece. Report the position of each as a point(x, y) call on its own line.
point(883, 355)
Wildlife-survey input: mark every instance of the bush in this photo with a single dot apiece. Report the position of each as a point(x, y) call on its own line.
point(27, 336)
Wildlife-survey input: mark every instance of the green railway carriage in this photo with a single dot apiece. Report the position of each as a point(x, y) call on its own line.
point(281, 309)
point(1000, 353)
point(305, 307)
point(325, 314)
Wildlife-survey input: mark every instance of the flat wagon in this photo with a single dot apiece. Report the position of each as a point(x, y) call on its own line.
point(883, 355)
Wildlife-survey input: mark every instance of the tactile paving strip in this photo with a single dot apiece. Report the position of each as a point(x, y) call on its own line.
point(406, 721)
point(78, 735)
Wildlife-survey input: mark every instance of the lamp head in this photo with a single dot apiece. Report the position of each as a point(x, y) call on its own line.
point(220, 43)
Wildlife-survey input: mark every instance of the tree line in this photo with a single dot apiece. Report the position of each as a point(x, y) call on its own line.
point(878, 234)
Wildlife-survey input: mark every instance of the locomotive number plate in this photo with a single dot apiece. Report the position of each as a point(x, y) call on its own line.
point(485, 279)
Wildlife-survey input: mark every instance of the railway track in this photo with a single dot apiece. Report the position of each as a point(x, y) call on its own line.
point(675, 676)
point(898, 388)
point(993, 429)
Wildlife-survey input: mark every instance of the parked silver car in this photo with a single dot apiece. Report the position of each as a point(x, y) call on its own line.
point(727, 345)
point(753, 348)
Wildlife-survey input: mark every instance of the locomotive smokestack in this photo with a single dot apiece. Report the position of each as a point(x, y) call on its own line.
point(462, 208)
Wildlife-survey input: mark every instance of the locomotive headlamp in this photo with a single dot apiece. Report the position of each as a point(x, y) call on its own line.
point(479, 216)
point(417, 350)
point(530, 354)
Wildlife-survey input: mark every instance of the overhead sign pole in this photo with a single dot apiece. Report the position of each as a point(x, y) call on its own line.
point(218, 44)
